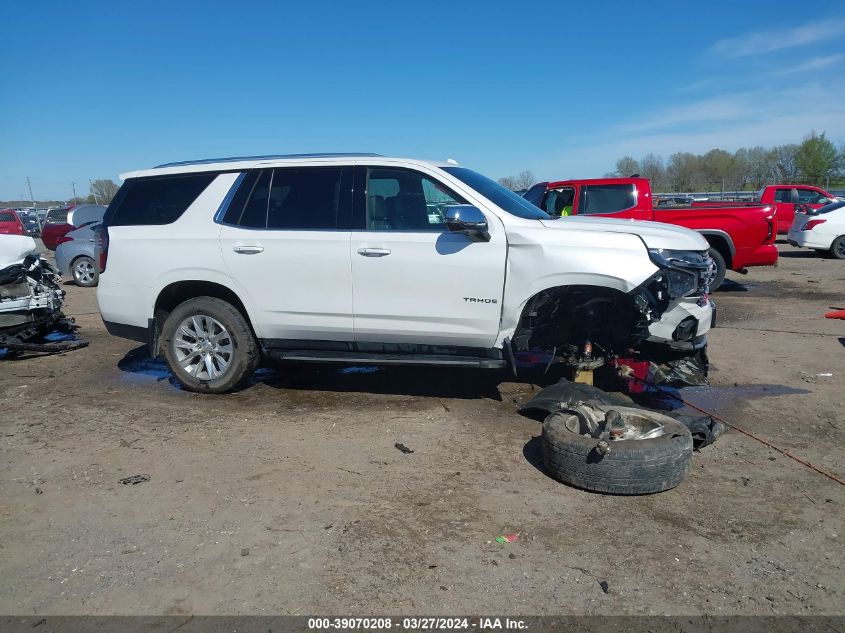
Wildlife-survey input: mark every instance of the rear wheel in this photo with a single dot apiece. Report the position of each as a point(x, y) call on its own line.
point(837, 249)
point(209, 346)
point(84, 271)
point(716, 271)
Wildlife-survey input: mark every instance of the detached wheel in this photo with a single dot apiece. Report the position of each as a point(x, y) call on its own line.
point(208, 345)
point(837, 249)
point(716, 272)
point(85, 272)
point(653, 455)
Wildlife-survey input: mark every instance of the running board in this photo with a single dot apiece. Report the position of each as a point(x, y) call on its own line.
point(443, 360)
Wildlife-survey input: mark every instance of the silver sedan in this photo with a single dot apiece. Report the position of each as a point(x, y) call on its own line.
point(75, 256)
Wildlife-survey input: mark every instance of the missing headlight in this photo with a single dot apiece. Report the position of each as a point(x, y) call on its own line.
point(682, 273)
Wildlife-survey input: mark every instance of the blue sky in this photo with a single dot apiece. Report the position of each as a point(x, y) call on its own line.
point(93, 89)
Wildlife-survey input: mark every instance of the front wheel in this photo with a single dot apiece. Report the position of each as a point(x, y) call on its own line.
point(209, 346)
point(716, 271)
point(837, 249)
point(84, 271)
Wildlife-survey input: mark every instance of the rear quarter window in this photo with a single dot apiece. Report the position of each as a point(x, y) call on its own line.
point(157, 200)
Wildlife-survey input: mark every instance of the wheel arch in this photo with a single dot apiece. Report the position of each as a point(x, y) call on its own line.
point(582, 294)
point(722, 242)
point(180, 291)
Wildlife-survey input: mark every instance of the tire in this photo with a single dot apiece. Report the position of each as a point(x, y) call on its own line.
point(721, 268)
point(837, 249)
point(631, 467)
point(84, 271)
point(230, 349)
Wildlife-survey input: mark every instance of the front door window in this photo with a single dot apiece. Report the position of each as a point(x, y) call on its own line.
point(404, 200)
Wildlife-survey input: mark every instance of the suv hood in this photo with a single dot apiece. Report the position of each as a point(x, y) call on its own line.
point(14, 248)
point(654, 234)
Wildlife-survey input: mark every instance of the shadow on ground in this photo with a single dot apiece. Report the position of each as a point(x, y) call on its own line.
point(805, 254)
point(437, 382)
point(729, 285)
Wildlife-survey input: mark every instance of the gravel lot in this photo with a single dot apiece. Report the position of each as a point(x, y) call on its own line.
point(290, 497)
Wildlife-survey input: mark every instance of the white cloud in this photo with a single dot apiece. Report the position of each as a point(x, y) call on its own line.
point(729, 121)
point(763, 42)
point(814, 63)
point(726, 107)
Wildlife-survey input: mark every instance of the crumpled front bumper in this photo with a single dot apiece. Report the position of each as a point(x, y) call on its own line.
point(683, 326)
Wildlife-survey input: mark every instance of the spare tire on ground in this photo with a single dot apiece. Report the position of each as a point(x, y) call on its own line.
point(565, 395)
point(652, 451)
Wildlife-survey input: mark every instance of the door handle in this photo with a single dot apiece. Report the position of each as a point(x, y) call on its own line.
point(374, 252)
point(248, 250)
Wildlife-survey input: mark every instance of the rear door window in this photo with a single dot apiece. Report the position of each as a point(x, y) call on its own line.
point(290, 198)
point(783, 195)
point(304, 199)
point(156, 200)
point(599, 199)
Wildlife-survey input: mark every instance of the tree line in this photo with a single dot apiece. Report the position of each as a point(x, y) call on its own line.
point(813, 161)
point(101, 191)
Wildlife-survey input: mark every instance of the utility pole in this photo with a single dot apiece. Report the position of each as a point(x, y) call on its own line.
point(93, 191)
point(73, 184)
point(31, 197)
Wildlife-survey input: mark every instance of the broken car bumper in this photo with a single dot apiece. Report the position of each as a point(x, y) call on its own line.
point(684, 325)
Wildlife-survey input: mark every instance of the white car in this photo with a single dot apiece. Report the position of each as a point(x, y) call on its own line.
point(339, 258)
point(822, 229)
point(30, 292)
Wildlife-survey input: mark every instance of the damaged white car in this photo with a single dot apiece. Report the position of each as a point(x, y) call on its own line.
point(369, 259)
point(30, 299)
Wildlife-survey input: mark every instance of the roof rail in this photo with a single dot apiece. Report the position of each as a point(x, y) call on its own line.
point(233, 159)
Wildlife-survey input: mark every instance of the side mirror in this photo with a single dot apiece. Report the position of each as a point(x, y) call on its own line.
point(469, 220)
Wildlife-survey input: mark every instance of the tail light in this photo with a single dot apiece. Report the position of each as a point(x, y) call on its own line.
point(812, 224)
point(770, 236)
point(63, 239)
point(101, 246)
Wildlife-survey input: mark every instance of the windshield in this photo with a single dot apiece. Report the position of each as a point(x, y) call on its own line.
point(831, 207)
point(502, 197)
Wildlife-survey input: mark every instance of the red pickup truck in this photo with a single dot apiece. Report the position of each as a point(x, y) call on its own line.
point(784, 198)
point(740, 235)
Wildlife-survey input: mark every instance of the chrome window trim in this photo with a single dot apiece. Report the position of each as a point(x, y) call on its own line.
point(224, 205)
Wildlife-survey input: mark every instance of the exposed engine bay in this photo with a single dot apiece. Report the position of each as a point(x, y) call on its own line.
point(31, 300)
point(588, 331)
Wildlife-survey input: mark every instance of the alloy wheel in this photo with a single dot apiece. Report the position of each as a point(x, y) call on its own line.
point(84, 271)
point(203, 347)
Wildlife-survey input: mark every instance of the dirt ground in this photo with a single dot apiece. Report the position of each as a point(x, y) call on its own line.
point(290, 497)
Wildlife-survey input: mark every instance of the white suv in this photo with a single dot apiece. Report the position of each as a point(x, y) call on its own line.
point(364, 258)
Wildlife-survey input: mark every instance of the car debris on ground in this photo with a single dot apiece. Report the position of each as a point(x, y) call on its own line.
point(31, 301)
point(606, 442)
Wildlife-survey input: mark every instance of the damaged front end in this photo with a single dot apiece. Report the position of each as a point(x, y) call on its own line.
point(30, 299)
point(655, 334)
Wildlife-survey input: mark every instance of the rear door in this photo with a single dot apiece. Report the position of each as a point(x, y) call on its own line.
point(284, 249)
point(615, 200)
point(415, 281)
point(785, 200)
